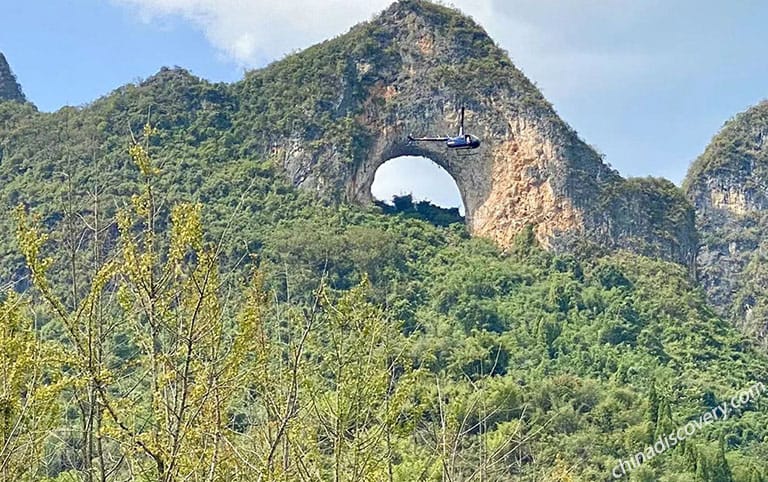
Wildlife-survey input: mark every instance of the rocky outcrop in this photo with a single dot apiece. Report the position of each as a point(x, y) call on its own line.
point(9, 87)
point(728, 185)
point(409, 71)
point(328, 117)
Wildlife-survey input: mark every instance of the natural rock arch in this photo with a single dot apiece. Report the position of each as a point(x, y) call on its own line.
point(458, 167)
point(511, 181)
point(418, 64)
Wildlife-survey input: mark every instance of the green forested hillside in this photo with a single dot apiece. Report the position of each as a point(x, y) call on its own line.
point(439, 357)
point(174, 310)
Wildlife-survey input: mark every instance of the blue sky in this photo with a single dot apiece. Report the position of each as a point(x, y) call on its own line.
point(73, 51)
point(646, 82)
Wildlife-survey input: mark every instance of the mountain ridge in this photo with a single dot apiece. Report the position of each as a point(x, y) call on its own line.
point(536, 364)
point(417, 65)
point(327, 117)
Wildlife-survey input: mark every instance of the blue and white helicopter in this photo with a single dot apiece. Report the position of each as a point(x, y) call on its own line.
point(462, 141)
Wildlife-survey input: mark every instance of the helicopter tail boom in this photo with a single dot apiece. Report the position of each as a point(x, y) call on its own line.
point(427, 139)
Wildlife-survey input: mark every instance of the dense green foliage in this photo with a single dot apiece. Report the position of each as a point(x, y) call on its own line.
point(9, 86)
point(378, 343)
point(425, 210)
point(516, 366)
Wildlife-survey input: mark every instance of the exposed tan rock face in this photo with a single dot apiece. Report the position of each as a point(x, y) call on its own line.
point(531, 169)
point(520, 196)
point(732, 199)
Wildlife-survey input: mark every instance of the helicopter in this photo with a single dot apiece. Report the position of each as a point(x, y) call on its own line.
point(462, 141)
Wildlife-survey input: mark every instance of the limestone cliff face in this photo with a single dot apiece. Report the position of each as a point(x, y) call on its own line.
point(9, 87)
point(409, 71)
point(728, 186)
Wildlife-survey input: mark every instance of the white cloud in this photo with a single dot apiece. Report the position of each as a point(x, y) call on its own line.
point(565, 46)
point(254, 31)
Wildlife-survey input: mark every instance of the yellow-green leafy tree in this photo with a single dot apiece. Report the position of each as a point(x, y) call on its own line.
point(358, 396)
point(30, 384)
point(170, 404)
point(79, 305)
point(164, 405)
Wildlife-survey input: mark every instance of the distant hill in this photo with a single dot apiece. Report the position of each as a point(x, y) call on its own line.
point(9, 87)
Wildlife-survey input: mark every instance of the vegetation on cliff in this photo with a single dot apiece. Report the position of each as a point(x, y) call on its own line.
point(190, 315)
point(9, 86)
point(440, 357)
point(738, 150)
point(727, 186)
